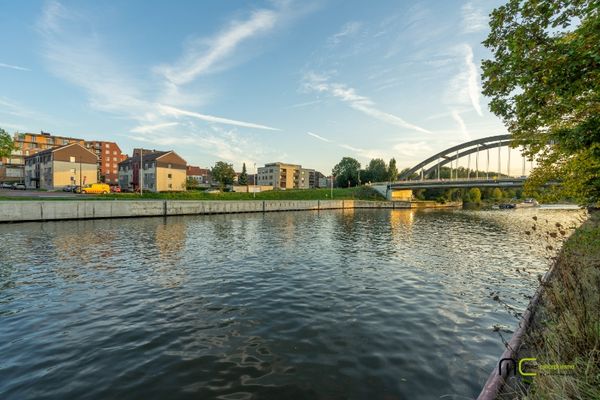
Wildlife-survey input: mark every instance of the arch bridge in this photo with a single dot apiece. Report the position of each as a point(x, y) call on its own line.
point(478, 172)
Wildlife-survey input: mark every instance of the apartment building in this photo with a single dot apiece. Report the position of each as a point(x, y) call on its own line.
point(55, 168)
point(286, 176)
point(27, 144)
point(109, 156)
point(162, 171)
point(200, 175)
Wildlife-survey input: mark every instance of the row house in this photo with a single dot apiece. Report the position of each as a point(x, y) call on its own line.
point(28, 144)
point(58, 167)
point(162, 171)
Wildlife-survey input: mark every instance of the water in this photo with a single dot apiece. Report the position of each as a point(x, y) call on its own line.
point(377, 304)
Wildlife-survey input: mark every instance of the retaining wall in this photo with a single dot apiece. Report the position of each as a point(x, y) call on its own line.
point(49, 210)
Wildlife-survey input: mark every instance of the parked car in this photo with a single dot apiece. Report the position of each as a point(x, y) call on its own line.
point(19, 186)
point(115, 189)
point(69, 188)
point(96, 188)
point(6, 185)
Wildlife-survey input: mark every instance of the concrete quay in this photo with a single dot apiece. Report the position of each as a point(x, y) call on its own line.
point(53, 210)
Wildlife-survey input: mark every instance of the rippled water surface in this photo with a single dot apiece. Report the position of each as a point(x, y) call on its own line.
point(377, 304)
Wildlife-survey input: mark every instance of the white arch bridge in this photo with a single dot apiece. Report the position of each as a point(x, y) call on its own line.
point(484, 162)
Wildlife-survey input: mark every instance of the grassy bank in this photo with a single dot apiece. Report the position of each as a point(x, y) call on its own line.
point(566, 328)
point(356, 193)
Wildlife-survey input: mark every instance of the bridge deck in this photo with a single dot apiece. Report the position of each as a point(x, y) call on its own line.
point(458, 183)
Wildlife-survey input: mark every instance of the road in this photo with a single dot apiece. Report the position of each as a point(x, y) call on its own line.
point(36, 193)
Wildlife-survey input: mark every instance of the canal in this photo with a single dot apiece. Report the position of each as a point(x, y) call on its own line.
point(353, 304)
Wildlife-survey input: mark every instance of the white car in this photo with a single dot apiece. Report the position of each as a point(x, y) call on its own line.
point(6, 185)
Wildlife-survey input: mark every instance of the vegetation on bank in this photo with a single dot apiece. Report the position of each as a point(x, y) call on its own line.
point(354, 193)
point(566, 327)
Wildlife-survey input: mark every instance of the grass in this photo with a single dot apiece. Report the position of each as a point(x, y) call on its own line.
point(355, 193)
point(566, 326)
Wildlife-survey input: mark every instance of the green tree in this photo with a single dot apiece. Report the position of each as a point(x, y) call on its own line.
point(376, 171)
point(473, 196)
point(191, 183)
point(6, 144)
point(223, 173)
point(544, 82)
point(346, 172)
point(392, 172)
point(243, 179)
point(497, 194)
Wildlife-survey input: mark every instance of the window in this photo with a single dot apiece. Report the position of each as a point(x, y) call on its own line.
point(107, 151)
point(107, 146)
point(114, 158)
point(170, 186)
point(169, 166)
point(71, 159)
point(169, 176)
point(114, 171)
point(114, 152)
point(107, 165)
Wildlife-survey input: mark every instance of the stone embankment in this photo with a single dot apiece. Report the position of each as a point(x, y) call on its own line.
point(51, 210)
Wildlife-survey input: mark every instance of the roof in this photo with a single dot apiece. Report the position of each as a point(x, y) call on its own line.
point(150, 155)
point(194, 171)
point(55, 149)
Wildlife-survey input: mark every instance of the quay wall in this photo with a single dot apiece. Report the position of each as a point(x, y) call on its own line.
point(51, 210)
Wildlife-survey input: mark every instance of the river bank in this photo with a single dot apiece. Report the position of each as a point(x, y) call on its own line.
point(51, 210)
point(556, 349)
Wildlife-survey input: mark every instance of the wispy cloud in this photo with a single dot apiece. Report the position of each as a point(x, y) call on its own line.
point(349, 29)
point(465, 88)
point(461, 124)
point(203, 56)
point(318, 137)
point(472, 79)
point(153, 128)
point(177, 112)
point(10, 66)
point(363, 104)
point(473, 19)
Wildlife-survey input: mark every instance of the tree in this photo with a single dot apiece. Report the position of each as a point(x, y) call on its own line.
point(497, 194)
point(243, 179)
point(346, 172)
point(392, 172)
point(473, 196)
point(544, 82)
point(191, 183)
point(6, 144)
point(223, 173)
point(376, 171)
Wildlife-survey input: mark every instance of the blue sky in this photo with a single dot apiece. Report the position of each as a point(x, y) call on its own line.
point(295, 81)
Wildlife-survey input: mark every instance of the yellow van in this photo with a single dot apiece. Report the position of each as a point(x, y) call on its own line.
point(96, 188)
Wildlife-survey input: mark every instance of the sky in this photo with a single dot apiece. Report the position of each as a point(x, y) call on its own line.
point(305, 82)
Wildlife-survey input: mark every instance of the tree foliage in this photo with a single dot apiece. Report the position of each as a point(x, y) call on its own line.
point(346, 172)
point(392, 172)
point(223, 173)
point(544, 82)
point(376, 171)
point(243, 179)
point(6, 144)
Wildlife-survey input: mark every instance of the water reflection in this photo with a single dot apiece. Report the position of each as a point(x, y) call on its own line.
point(334, 304)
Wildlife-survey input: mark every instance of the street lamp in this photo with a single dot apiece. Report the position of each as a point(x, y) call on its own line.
point(254, 186)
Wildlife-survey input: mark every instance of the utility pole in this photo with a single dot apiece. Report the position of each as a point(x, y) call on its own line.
point(140, 172)
point(331, 184)
point(255, 176)
point(80, 175)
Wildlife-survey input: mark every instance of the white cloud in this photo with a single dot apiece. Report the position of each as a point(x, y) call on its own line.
point(465, 88)
point(461, 124)
point(363, 104)
point(177, 112)
point(349, 29)
point(10, 66)
point(318, 137)
point(473, 19)
point(202, 57)
point(152, 128)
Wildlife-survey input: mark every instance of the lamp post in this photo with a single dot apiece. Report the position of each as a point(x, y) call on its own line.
point(254, 186)
point(80, 175)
